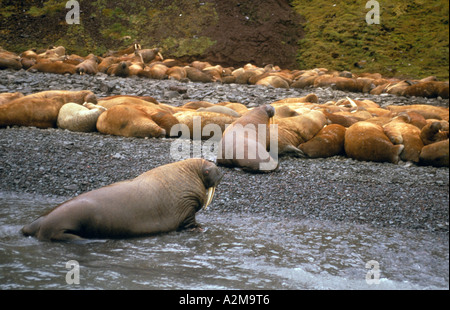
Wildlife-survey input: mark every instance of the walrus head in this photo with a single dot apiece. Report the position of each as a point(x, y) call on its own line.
point(270, 110)
point(211, 177)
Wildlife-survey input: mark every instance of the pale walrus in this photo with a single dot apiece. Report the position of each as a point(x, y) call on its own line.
point(246, 141)
point(160, 200)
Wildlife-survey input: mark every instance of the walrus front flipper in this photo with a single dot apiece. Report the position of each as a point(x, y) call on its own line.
point(31, 230)
point(291, 150)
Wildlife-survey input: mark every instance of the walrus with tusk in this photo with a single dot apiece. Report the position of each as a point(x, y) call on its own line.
point(161, 200)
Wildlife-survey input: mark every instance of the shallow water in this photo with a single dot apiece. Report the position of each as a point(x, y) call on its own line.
point(236, 251)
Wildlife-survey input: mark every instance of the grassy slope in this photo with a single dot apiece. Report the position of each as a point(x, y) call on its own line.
point(411, 39)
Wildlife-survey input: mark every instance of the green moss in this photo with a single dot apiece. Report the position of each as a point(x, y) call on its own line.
point(186, 47)
point(49, 7)
point(7, 11)
point(411, 39)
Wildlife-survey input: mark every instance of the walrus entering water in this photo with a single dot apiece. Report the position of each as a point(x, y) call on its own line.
point(160, 200)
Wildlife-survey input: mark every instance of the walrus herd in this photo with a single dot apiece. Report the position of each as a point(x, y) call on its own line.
point(149, 63)
point(304, 128)
point(167, 198)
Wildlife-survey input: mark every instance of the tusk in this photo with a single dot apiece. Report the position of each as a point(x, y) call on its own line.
point(209, 197)
point(161, 56)
point(352, 102)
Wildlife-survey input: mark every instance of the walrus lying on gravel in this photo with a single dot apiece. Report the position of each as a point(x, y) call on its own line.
point(245, 142)
point(129, 120)
point(160, 200)
point(80, 118)
point(36, 112)
point(368, 142)
point(41, 109)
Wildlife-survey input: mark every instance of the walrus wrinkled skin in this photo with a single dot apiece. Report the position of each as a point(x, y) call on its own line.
point(244, 145)
point(161, 200)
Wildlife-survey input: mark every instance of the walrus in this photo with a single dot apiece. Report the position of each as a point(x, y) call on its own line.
point(148, 101)
point(433, 132)
point(328, 142)
point(160, 200)
point(435, 154)
point(293, 131)
point(9, 60)
point(80, 96)
point(274, 81)
point(245, 142)
point(36, 112)
point(150, 54)
point(428, 89)
point(344, 120)
point(366, 141)
point(196, 121)
point(104, 65)
point(130, 120)
point(427, 111)
point(220, 109)
point(304, 81)
point(195, 75)
point(57, 67)
point(238, 107)
point(399, 131)
point(157, 71)
point(177, 73)
point(79, 118)
point(89, 65)
point(121, 69)
point(7, 97)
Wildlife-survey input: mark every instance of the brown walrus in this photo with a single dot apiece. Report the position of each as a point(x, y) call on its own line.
point(161, 200)
point(57, 67)
point(367, 142)
point(7, 97)
point(246, 141)
point(79, 97)
point(328, 142)
point(129, 120)
point(433, 132)
point(36, 112)
point(199, 124)
point(400, 131)
point(41, 109)
point(435, 154)
point(89, 65)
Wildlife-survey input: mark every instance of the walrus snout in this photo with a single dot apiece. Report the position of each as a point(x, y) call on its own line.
point(211, 178)
point(211, 175)
point(270, 110)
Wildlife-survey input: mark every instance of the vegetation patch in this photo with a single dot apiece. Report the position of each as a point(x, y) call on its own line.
point(411, 40)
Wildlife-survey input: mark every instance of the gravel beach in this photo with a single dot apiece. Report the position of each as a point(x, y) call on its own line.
point(61, 163)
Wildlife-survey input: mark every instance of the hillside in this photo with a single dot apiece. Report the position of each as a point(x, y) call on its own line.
point(410, 41)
